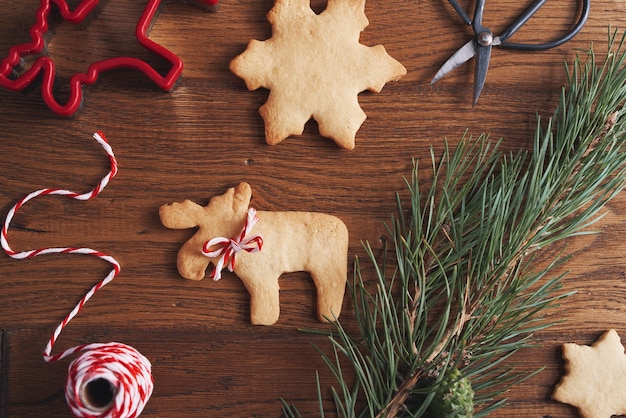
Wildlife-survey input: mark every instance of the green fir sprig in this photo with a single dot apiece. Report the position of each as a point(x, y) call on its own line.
point(464, 287)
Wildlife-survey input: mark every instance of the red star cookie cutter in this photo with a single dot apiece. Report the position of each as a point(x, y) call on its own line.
point(14, 77)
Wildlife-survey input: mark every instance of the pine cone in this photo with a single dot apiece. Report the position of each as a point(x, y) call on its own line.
point(454, 397)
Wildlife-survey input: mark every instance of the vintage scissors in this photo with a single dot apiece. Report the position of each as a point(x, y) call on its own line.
point(480, 46)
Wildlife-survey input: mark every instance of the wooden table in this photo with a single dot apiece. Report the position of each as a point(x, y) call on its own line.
point(206, 136)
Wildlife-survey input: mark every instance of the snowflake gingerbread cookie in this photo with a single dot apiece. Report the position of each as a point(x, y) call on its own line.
point(315, 67)
point(260, 246)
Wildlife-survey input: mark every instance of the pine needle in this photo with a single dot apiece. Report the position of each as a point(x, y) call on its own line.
point(462, 288)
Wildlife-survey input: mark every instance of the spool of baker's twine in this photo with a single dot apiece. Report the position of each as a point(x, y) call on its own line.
point(111, 380)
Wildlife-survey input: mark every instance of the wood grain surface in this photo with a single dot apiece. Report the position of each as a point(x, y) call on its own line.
point(206, 136)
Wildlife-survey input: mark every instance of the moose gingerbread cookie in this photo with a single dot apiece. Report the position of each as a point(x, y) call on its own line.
point(260, 246)
point(315, 67)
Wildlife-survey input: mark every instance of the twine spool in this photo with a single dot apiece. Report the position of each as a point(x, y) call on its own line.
point(108, 380)
point(111, 380)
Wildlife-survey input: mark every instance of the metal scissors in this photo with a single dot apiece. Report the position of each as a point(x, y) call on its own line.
point(480, 46)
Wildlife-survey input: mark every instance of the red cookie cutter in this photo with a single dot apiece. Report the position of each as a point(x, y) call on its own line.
point(14, 77)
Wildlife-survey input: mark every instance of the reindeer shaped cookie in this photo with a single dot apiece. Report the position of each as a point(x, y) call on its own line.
point(260, 246)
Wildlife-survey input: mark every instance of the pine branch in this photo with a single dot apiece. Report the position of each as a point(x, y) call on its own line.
point(466, 289)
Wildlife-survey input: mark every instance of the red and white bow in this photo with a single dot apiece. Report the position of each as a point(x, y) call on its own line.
point(228, 248)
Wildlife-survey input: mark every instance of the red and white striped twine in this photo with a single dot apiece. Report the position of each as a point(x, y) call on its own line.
point(108, 380)
point(228, 248)
point(111, 380)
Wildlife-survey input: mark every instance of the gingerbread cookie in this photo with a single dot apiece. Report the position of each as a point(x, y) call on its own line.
point(595, 377)
point(315, 67)
point(260, 246)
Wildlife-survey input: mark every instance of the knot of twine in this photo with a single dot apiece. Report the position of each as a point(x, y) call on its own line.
point(110, 380)
point(228, 248)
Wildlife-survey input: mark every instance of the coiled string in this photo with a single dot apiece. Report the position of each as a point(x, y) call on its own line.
point(111, 380)
point(108, 380)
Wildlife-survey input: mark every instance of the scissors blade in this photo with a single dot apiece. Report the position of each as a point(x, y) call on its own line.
point(483, 55)
point(462, 55)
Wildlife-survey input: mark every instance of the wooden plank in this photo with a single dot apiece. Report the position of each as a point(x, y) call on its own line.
point(195, 374)
point(3, 383)
point(206, 136)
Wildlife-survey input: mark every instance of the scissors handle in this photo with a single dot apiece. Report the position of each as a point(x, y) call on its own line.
point(459, 10)
point(521, 20)
point(477, 23)
point(531, 10)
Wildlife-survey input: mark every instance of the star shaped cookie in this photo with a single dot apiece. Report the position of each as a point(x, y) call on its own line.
point(595, 377)
point(315, 67)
